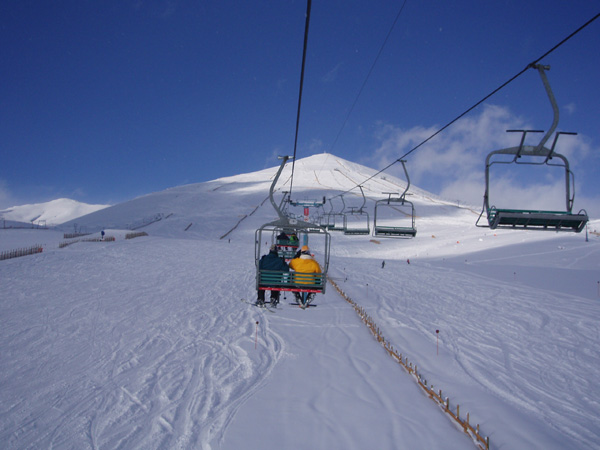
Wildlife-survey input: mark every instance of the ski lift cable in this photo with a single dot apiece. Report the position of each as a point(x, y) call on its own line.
point(367, 77)
point(529, 66)
point(387, 37)
point(308, 7)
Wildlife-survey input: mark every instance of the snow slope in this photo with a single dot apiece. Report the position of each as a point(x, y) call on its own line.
point(144, 343)
point(50, 213)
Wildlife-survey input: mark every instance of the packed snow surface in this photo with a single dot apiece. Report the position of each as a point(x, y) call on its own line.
point(144, 343)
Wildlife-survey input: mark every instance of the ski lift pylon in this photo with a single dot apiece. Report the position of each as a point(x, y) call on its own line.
point(563, 220)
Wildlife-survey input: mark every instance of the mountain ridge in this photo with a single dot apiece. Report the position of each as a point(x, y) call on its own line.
point(314, 177)
point(53, 212)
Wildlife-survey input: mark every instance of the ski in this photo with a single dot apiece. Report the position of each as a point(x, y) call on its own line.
point(265, 307)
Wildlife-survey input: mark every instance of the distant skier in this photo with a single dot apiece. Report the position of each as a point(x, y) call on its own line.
point(102, 235)
point(408, 261)
point(271, 261)
point(382, 264)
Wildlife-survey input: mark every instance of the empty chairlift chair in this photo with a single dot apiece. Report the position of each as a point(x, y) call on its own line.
point(395, 216)
point(335, 220)
point(539, 155)
point(357, 220)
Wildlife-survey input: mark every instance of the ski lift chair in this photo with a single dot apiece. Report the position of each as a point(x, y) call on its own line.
point(306, 285)
point(336, 219)
point(403, 209)
point(400, 208)
point(555, 220)
point(357, 221)
point(313, 283)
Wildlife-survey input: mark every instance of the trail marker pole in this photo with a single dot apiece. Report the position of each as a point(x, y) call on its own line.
point(586, 233)
point(256, 337)
point(437, 341)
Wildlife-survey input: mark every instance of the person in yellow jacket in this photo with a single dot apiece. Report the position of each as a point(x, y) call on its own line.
point(305, 263)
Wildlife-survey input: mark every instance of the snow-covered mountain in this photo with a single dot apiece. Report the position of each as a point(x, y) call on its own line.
point(218, 204)
point(49, 213)
point(144, 343)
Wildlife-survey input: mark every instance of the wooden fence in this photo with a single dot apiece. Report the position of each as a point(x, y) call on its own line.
point(134, 235)
point(9, 254)
point(74, 235)
point(106, 239)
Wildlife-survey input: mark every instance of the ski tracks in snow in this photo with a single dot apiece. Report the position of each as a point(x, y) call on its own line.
point(528, 346)
point(128, 364)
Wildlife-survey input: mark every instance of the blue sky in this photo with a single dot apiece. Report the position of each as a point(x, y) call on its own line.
point(102, 101)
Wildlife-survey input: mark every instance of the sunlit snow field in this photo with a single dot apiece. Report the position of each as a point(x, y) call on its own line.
point(144, 343)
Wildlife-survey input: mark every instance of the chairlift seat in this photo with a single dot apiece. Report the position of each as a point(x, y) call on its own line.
point(276, 280)
point(357, 231)
point(542, 220)
point(395, 231)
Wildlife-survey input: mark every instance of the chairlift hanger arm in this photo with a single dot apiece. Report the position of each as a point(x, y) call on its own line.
point(542, 71)
point(343, 204)
point(403, 161)
point(274, 183)
point(364, 198)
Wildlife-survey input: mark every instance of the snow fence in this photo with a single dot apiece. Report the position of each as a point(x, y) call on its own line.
point(9, 254)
